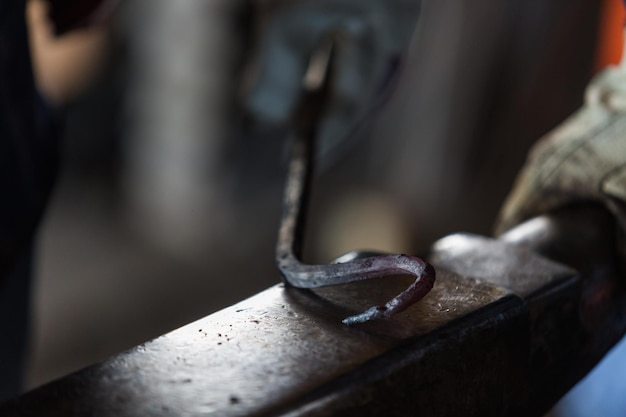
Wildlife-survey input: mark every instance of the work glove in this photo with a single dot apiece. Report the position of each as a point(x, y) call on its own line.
point(583, 159)
point(370, 38)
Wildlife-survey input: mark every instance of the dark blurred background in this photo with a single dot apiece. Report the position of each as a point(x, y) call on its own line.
point(168, 204)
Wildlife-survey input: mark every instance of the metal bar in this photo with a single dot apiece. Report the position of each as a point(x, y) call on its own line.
point(290, 238)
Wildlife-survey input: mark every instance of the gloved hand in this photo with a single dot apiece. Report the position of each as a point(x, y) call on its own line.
point(370, 37)
point(584, 159)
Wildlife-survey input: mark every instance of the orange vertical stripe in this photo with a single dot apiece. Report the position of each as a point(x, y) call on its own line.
point(611, 36)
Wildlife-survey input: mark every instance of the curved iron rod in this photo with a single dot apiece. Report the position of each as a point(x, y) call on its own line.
point(288, 250)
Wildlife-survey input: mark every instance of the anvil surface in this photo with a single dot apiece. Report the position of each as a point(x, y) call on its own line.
point(478, 344)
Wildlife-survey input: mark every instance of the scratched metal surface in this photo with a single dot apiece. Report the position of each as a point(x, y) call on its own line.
point(507, 337)
point(497, 262)
point(255, 356)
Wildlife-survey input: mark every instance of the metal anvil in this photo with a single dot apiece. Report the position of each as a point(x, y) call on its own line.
point(505, 331)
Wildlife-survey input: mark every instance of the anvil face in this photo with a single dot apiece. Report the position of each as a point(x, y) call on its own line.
point(501, 333)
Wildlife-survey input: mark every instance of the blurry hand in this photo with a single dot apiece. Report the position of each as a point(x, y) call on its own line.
point(65, 66)
point(584, 159)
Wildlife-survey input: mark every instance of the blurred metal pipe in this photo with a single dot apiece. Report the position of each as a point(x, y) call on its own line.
point(182, 75)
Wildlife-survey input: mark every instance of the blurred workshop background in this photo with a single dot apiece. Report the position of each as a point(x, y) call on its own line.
point(169, 199)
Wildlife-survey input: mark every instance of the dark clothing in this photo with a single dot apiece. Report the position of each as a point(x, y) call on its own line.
point(28, 159)
point(15, 326)
point(28, 147)
point(28, 164)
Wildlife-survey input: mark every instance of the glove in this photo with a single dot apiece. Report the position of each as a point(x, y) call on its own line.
point(584, 159)
point(370, 37)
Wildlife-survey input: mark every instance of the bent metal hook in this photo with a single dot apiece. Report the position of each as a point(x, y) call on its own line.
point(300, 275)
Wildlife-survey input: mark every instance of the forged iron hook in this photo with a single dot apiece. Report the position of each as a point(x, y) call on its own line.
point(288, 249)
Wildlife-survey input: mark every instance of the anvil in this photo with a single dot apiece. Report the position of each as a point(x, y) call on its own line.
point(510, 325)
